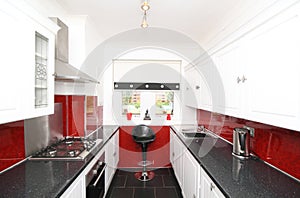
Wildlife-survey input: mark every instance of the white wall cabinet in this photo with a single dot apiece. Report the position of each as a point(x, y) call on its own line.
point(18, 62)
point(260, 72)
point(197, 92)
point(208, 187)
point(111, 159)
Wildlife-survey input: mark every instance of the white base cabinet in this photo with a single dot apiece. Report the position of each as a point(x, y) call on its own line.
point(77, 188)
point(186, 168)
point(111, 159)
point(191, 176)
point(176, 157)
point(208, 188)
point(193, 180)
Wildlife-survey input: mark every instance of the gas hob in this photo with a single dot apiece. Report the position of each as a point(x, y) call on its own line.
point(70, 148)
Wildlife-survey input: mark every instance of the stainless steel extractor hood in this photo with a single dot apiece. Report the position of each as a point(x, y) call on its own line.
point(63, 70)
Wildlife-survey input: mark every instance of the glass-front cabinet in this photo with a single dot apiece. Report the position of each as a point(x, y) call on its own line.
point(27, 63)
point(41, 70)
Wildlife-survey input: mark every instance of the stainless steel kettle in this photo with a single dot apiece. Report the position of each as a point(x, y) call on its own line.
point(241, 143)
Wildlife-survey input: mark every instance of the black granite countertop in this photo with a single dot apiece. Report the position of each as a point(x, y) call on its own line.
point(46, 178)
point(239, 178)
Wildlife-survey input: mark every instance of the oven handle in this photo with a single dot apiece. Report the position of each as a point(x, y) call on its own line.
point(101, 173)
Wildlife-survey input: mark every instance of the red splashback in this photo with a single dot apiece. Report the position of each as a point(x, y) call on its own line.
point(63, 99)
point(277, 146)
point(159, 150)
point(76, 115)
point(73, 114)
point(12, 148)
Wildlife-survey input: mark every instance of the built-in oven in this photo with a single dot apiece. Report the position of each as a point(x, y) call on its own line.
point(95, 179)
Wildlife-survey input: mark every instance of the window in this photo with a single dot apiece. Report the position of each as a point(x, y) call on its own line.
point(164, 103)
point(131, 102)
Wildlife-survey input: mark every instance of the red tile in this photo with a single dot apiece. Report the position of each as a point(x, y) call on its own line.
point(279, 147)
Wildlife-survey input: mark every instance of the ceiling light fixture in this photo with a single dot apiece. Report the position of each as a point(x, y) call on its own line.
point(145, 7)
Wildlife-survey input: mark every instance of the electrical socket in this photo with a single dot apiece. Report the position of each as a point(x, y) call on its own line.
point(252, 130)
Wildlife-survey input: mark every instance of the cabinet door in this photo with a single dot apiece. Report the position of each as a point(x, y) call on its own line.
point(178, 159)
point(116, 150)
point(273, 74)
point(13, 63)
point(191, 176)
point(208, 188)
point(77, 189)
point(197, 93)
point(230, 65)
point(42, 100)
point(190, 91)
point(111, 159)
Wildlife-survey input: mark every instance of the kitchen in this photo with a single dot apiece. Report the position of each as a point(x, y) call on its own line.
point(86, 74)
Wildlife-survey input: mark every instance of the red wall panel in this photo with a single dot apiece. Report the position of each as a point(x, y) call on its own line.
point(277, 146)
point(76, 115)
point(12, 148)
point(63, 99)
point(131, 153)
point(73, 114)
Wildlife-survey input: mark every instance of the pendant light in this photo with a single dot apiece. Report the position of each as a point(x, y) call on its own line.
point(145, 7)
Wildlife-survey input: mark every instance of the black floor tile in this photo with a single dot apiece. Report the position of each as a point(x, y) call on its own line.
point(144, 193)
point(119, 181)
point(169, 180)
point(178, 191)
point(126, 171)
point(163, 185)
point(166, 193)
point(133, 182)
point(121, 193)
point(161, 171)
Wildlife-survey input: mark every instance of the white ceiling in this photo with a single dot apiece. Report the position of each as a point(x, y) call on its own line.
point(198, 19)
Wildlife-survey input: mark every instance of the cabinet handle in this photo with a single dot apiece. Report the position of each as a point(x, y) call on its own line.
point(194, 196)
point(238, 80)
point(211, 186)
point(197, 87)
point(244, 79)
point(114, 154)
point(173, 154)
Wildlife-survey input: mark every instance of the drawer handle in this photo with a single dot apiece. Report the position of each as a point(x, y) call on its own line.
point(244, 79)
point(101, 173)
point(211, 186)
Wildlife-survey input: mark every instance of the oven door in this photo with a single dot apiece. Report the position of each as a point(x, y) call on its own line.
point(95, 180)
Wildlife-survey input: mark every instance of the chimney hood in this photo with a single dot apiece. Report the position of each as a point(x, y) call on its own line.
point(63, 70)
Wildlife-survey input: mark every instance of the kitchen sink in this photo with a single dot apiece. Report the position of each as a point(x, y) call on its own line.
point(198, 135)
point(194, 134)
point(199, 132)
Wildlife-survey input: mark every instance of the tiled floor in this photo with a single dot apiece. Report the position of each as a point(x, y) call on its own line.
point(125, 185)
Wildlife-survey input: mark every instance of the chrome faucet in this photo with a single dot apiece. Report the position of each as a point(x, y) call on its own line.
point(201, 128)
